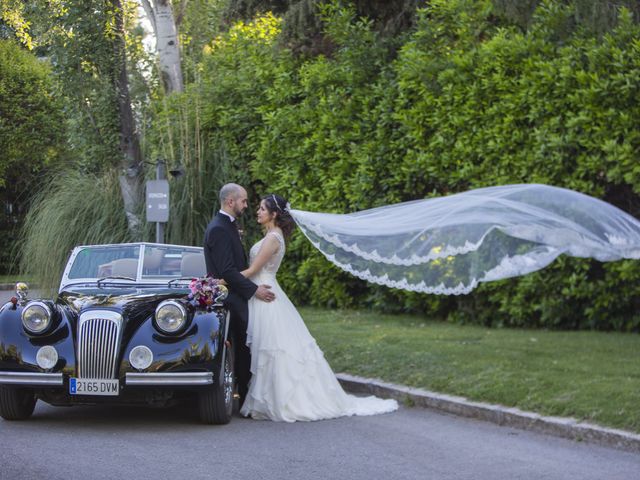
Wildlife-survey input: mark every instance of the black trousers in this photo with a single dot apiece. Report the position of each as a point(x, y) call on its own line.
point(239, 320)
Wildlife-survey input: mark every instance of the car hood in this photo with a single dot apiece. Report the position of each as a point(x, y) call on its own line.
point(134, 304)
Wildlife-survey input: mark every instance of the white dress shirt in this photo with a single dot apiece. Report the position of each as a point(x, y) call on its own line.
point(231, 217)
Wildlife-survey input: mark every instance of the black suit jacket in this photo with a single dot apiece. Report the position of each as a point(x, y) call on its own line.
point(225, 257)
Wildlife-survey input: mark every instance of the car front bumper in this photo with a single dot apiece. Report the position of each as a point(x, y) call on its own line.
point(167, 379)
point(31, 379)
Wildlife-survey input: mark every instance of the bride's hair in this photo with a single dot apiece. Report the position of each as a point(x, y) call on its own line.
point(278, 205)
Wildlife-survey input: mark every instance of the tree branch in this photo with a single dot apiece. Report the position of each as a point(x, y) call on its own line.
point(181, 10)
point(151, 15)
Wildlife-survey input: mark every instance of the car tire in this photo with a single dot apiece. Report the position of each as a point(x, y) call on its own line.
point(216, 403)
point(16, 403)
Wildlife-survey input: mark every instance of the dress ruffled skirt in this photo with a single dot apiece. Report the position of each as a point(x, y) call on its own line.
point(291, 380)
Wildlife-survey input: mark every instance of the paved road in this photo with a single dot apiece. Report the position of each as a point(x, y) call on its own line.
point(5, 295)
point(103, 442)
point(107, 443)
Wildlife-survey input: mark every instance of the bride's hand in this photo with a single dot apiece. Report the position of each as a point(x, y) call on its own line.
point(221, 281)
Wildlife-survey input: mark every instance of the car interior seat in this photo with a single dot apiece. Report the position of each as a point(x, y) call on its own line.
point(125, 267)
point(152, 260)
point(193, 265)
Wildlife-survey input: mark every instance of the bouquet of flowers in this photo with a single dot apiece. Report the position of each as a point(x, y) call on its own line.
point(206, 291)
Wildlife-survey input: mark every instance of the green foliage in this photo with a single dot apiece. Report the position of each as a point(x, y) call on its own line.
point(31, 136)
point(589, 295)
point(72, 209)
point(179, 139)
point(12, 17)
point(469, 100)
point(534, 107)
point(302, 22)
point(597, 16)
point(328, 145)
point(238, 70)
point(30, 126)
point(202, 21)
point(85, 44)
point(85, 48)
point(209, 129)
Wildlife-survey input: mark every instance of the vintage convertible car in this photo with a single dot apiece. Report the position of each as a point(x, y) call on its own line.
point(122, 330)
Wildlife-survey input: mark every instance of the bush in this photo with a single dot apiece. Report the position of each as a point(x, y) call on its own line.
point(470, 99)
point(31, 137)
point(73, 208)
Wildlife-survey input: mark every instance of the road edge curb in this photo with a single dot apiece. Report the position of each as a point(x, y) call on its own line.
point(498, 414)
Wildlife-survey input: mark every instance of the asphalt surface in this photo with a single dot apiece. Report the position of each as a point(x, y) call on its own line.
point(414, 443)
point(101, 442)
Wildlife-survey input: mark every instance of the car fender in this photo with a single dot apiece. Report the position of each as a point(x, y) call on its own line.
point(197, 348)
point(18, 349)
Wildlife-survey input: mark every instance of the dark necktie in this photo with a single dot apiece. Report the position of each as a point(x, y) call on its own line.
point(236, 225)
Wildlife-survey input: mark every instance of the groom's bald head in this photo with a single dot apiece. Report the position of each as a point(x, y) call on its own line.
point(229, 190)
point(233, 199)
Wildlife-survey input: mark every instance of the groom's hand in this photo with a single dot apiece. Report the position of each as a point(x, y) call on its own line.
point(264, 293)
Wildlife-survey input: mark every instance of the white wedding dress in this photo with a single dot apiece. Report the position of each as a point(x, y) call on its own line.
point(291, 380)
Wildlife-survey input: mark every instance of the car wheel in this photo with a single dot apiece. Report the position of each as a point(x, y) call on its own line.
point(216, 403)
point(16, 403)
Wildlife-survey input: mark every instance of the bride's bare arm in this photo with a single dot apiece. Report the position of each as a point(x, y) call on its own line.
point(269, 247)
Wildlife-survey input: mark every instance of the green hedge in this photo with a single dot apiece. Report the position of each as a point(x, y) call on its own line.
point(31, 137)
point(466, 100)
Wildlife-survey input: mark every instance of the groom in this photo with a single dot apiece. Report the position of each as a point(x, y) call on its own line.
point(225, 258)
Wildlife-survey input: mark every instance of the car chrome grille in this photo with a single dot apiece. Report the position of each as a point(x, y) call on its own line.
point(98, 344)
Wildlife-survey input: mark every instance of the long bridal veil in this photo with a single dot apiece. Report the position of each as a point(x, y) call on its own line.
point(448, 245)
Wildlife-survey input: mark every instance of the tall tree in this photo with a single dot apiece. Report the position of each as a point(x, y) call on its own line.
point(131, 178)
point(86, 42)
point(163, 22)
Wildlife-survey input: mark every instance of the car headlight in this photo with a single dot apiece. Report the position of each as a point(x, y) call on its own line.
point(141, 357)
point(171, 316)
point(36, 317)
point(47, 357)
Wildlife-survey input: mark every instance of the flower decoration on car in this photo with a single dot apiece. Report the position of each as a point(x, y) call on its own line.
point(206, 291)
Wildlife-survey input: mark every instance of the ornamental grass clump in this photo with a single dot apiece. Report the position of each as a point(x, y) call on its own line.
point(72, 209)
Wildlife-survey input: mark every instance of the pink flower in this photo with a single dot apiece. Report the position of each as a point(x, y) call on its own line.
point(203, 291)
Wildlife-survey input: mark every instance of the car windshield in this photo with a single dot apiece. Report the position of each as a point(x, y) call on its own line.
point(160, 262)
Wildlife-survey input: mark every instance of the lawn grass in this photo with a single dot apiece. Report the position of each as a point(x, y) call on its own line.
point(13, 278)
point(591, 376)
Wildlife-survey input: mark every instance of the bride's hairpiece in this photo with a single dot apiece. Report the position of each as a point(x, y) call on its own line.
point(287, 207)
point(275, 200)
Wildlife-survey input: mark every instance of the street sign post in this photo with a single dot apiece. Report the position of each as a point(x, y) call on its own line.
point(158, 205)
point(158, 201)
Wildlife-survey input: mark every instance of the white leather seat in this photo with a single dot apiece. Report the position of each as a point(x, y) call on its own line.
point(125, 267)
point(152, 260)
point(192, 265)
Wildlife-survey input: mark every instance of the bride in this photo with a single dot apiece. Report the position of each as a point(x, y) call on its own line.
point(291, 380)
point(444, 245)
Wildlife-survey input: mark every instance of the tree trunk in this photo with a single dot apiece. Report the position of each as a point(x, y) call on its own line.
point(131, 177)
point(166, 32)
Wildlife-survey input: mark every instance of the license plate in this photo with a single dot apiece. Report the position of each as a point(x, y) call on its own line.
point(93, 386)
